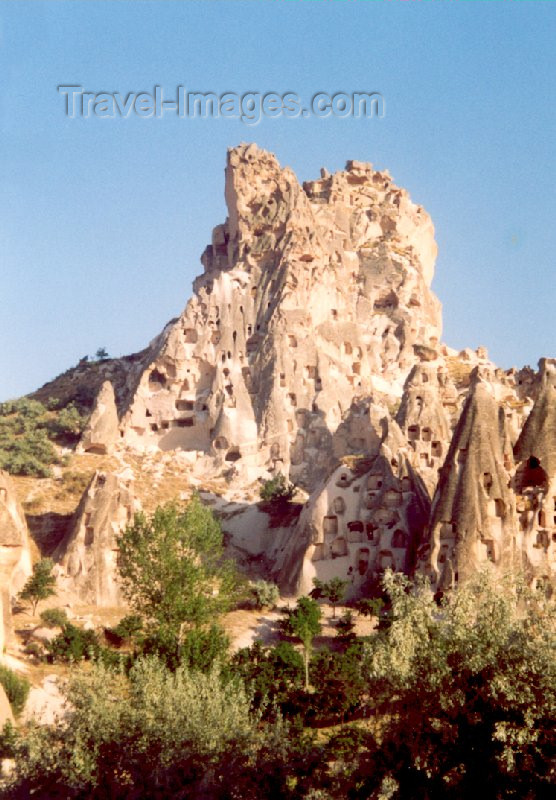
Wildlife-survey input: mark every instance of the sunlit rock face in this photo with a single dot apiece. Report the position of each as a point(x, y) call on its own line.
point(15, 553)
point(87, 557)
point(102, 431)
point(311, 347)
point(312, 298)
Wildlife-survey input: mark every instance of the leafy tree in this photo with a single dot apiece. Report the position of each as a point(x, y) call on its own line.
point(153, 733)
point(332, 590)
point(271, 674)
point(466, 692)
point(370, 607)
point(102, 354)
point(346, 625)
point(73, 644)
point(304, 623)
point(40, 585)
point(173, 570)
point(278, 490)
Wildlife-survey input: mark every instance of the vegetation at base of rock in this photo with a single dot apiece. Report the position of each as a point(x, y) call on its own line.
point(304, 624)
point(176, 579)
point(278, 490)
point(332, 590)
point(29, 431)
point(448, 699)
point(265, 593)
point(40, 585)
point(16, 687)
point(54, 617)
point(73, 644)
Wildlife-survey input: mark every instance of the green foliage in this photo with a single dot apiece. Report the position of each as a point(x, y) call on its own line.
point(270, 673)
point(16, 688)
point(346, 625)
point(128, 627)
point(28, 430)
point(25, 448)
point(155, 732)
point(40, 585)
point(304, 624)
point(102, 354)
point(68, 425)
point(73, 644)
point(54, 617)
point(278, 490)
point(332, 590)
point(265, 593)
point(468, 691)
point(370, 607)
point(173, 570)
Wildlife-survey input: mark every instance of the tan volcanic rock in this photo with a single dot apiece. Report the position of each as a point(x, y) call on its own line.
point(311, 299)
point(102, 431)
point(368, 517)
point(473, 511)
point(423, 419)
point(15, 554)
point(535, 481)
point(87, 557)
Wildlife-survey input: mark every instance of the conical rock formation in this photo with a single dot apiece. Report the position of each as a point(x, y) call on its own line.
point(87, 557)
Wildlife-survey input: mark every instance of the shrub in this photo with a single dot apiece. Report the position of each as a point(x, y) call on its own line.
point(128, 626)
point(16, 688)
point(54, 617)
point(73, 644)
point(278, 490)
point(266, 594)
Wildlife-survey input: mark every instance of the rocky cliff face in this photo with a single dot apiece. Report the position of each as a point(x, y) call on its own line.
point(87, 558)
point(311, 301)
point(15, 553)
point(311, 346)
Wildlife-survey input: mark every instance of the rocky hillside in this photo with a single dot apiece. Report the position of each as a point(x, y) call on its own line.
point(311, 347)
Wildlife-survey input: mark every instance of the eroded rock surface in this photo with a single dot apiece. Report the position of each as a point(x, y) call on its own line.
point(103, 430)
point(87, 558)
point(15, 553)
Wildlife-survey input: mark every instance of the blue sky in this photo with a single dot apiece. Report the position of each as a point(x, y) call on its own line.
point(103, 221)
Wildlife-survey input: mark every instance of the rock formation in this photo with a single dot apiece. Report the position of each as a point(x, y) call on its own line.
point(15, 553)
point(103, 430)
point(311, 346)
point(473, 511)
point(312, 299)
point(535, 481)
point(87, 558)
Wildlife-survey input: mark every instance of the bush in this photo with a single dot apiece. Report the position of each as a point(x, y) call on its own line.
point(266, 594)
point(54, 617)
point(73, 644)
point(278, 490)
point(16, 688)
point(128, 627)
point(25, 448)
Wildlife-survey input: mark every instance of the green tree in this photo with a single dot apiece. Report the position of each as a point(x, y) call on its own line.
point(40, 585)
point(304, 624)
point(332, 590)
point(173, 569)
point(466, 692)
point(102, 354)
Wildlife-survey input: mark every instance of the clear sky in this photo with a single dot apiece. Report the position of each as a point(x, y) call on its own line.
point(103, 221)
